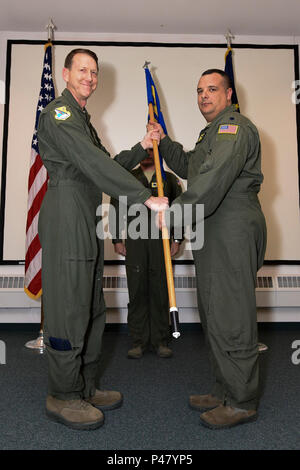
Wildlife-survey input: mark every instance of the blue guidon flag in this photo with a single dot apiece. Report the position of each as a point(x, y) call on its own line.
point(153, 98)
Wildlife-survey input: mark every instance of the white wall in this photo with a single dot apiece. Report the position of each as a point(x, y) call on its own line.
point(264, 91)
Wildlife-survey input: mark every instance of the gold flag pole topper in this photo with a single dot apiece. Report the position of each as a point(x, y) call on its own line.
point(165, 237)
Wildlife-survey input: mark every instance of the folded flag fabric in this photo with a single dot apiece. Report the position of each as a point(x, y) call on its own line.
point(153, 98)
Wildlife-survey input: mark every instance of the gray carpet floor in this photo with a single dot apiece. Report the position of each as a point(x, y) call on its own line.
point(155, 413)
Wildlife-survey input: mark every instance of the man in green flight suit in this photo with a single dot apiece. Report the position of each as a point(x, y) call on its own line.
point(148, 308)
point(79, 169)
point(223, 172)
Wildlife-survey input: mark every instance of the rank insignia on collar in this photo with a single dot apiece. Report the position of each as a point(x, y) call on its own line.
point(61, 114)
point(228, 129)
point(201, 137)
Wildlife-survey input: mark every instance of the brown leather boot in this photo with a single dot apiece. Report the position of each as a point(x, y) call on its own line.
point(76, 414)
point(226, 417)
point(203, 402)
point(106, 400)
point(164, 351)
point(135, 353)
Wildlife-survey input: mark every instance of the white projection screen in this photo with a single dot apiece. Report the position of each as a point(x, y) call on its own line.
point(264, 76)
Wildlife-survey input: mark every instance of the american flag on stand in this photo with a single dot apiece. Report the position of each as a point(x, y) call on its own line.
point(37, 187)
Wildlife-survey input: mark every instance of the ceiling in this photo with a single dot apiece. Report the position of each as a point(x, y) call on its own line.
point(242, 17)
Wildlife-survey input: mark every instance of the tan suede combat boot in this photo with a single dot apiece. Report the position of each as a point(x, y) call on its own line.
point(227, 417)
point(76, 414)
point(106, 400)
point(164, 351)
point(203, 402)
point(135, 353)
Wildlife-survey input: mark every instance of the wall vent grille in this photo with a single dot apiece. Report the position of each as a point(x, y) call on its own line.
point(264, 282)
point(120, 282)
point(285, 282)
point(11, 282)
point(180, 282)
point(114, 282)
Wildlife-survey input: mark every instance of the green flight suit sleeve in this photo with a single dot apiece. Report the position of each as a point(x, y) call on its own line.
point(131, 158)
point(214, 177)
point(70, 138)
point(175, 157)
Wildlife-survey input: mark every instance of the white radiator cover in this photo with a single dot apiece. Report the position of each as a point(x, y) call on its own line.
point(278, 290)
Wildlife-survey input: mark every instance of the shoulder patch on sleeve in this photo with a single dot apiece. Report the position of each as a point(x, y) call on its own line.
point(61, 114)
point(228, 129)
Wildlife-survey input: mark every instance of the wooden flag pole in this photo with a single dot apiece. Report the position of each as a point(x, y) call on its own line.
point(166, 241)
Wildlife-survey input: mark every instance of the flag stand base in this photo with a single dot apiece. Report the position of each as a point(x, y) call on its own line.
point(37, 344)
point(262, 347)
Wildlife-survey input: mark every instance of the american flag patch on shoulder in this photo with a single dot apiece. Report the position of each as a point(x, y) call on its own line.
point(228, 129)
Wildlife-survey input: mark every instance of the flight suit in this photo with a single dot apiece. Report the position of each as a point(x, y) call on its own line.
point(80, 169)
point(223, 172)
point(148, 308)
